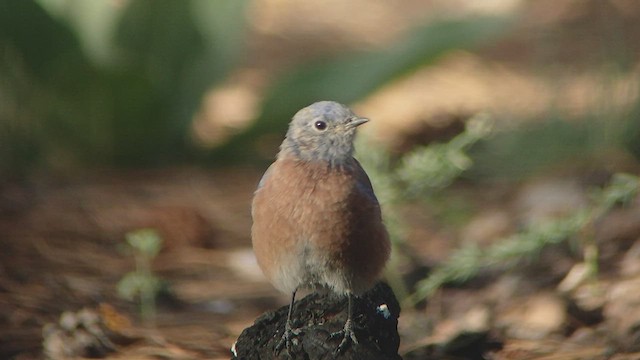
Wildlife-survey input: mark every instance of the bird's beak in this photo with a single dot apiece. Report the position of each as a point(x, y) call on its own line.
point(357, 122)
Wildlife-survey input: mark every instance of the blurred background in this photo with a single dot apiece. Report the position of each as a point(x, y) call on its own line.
point(133, 133)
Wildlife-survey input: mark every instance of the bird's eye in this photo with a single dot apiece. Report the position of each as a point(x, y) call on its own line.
point(320, 125)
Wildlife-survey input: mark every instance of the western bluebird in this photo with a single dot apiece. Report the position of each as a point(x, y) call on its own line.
point(316, 220)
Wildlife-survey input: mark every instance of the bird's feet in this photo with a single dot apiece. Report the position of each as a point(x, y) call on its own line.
point(287, 338)
point(348, 337)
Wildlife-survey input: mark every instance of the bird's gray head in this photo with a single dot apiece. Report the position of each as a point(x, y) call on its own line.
point(323, 131)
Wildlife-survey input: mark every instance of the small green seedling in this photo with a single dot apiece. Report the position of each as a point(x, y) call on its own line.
point(144, 244)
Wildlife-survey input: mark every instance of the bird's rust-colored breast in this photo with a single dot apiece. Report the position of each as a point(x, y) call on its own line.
point(310, 212)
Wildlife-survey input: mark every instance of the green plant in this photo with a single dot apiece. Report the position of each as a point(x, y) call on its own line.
point(76, 92)
point(420, 175)
point(468, 261)
point(144, 244)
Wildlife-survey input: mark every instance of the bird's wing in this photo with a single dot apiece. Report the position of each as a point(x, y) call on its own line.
point(264, 178)
point(364, 184)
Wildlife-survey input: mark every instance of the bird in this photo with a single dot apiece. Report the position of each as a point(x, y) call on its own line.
point(316, 220)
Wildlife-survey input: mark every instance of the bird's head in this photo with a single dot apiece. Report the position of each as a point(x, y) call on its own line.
point(323, 131)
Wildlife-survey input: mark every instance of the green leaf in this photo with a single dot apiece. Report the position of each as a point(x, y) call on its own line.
point(129, 286)
point(622, 189)
point(173, 51)
point(146, 241)
point(46, 44)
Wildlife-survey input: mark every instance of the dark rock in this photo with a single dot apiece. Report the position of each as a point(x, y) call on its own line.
point(318, 315)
